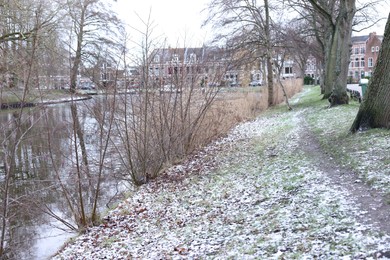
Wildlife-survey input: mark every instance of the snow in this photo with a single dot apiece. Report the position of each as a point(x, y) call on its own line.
point(252, 195)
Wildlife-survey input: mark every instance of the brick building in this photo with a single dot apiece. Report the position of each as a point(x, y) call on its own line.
point(365, 50)
point(364, 54)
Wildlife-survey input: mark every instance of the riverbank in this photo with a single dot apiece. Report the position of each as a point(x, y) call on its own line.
point(15, 98)
point(285, 185)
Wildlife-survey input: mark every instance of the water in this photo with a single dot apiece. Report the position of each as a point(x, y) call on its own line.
point(47, 168)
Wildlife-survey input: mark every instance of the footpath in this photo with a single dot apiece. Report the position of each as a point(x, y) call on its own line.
point(288, 185)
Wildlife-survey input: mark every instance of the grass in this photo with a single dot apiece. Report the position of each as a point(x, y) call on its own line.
point(265, 200)
point(366, 152)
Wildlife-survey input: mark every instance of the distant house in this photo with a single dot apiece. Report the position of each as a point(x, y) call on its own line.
point(189, 65)
point(364, 54)
point(313, 68)
point(365, 50)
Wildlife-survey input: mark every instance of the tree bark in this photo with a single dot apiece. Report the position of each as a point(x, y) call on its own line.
point(337, 46)
point(270, 78)
point(77, 59)
point(342, 45)
point(374, 112)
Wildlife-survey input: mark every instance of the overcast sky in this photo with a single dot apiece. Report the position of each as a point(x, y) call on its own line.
point(179, 21)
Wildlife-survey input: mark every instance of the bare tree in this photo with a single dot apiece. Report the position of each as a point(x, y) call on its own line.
point(375, 109)
point(338, 18)
point(86, 35)
point(162, 123)
point(22, 38)
point(332, 23)
point(249, 26)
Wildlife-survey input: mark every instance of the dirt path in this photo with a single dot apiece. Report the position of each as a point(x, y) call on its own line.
point(373, 207)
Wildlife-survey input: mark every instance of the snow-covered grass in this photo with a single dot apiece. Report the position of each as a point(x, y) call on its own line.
point(252, 195)
point(367, 153)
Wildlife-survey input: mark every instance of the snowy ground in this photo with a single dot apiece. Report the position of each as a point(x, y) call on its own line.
point(259, 193)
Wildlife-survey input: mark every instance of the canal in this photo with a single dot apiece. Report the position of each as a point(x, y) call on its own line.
point(57, 171)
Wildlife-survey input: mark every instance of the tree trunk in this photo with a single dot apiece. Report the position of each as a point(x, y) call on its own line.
point(374, 112)
point(330, 62)
point(340, 53)
point(77, 59)
point(343, 34)
point(270, 78)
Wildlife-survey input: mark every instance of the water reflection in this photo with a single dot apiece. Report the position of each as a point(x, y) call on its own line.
point(49, 174)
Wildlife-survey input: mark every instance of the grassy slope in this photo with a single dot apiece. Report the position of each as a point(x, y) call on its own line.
point(264, 201)
point(367, 153)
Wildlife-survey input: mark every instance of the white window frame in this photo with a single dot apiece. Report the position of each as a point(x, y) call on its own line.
point(192, 57)
point(370, 63)
point(357, 63)
point(175, 58)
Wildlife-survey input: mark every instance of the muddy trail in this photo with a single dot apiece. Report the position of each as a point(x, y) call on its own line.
point(372, 203)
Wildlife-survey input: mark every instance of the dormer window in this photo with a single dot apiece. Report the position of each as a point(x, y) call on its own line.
point(175, 58)
point(157, 58)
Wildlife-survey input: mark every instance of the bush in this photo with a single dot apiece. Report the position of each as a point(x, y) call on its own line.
point(308, 80)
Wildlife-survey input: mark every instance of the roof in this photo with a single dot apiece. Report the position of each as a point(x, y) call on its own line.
point(362, 38)
point(201, 53)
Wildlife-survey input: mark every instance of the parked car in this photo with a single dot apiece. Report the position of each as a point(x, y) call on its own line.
point(234, 84)
point(213, 84)
point(255, 83)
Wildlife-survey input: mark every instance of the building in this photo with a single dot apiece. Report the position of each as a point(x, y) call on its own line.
point(212, 66)
point(199, 66)
point(364, 54)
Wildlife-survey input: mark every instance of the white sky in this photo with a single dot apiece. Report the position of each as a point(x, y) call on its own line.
point(382, 11)
point(178, 21)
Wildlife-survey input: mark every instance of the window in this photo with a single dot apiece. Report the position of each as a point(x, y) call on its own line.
point(362, 50)
point(357, 62)
point(356, 50)
point(370, 62)
point(377, 48)
point(157, 58)
point(362, 64)
point(192, 57)
point(175, 58)
point(372, 49)
point(288, 70)
point(351, 63)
